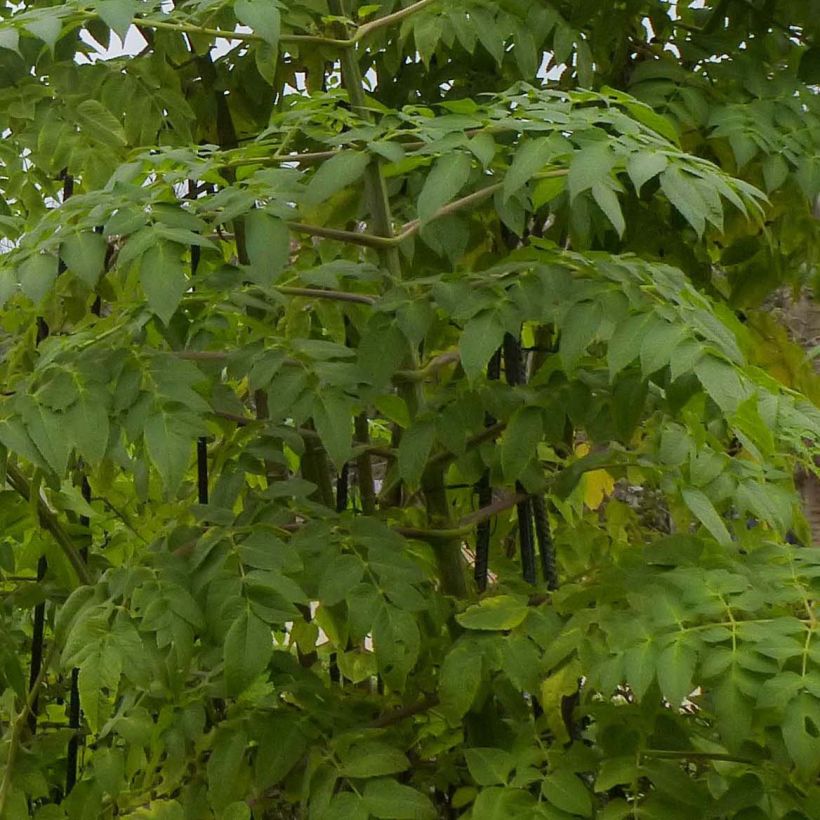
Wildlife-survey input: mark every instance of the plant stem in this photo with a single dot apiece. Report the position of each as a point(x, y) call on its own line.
point(48, 520)
point(296, 39)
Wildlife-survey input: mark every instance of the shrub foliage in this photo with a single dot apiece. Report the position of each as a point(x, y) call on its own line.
point(390, 424)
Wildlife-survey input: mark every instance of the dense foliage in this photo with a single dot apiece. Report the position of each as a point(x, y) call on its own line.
point(390, 422)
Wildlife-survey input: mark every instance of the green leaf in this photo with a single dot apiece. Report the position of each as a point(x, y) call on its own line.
point(447, 177)
point(578, 329)
point(84, 255)
point(225, 766)
point(643, 166)
point(372, 758)
point(530, 157)
point(45, 428)
point(262, 16)
point(385, 798)
point(333, 416)
point(46, 26)
point(397, 643)
point(626, 342)
point(87, 425)
point(489, 766)
point(481, 337)
point(8, 285)
point(268, 246)
point(520, 440)
point(659, 341)
point(341, 574)
point(163, 279)
point(566, 792)
point(281, 745)
point(801, 733)
point(247, 650)
point(10, 39)
point(346, 806)
point(99, 124)
point(169, 440)
point(589, 166)
point(335, 174)
point(499, 612)
point(459, 680)
point(546, 190)
point(722, 382)
point(37, 276)
point(685, 197)
point(706, 513)
point(606, 198)
point(675, 667)
point(117, 14)
point(414, 450)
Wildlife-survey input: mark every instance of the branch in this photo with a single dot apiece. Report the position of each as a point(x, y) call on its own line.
point(397, 715)
point(388, 20)
point(49, 522)
point(432, 367)
point(296, 39)
point(321, 293)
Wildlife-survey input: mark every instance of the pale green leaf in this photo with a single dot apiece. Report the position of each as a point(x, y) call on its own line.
point(169, 440)
point(98, 124)
point(262, 16)
point(590, 165)
point(481, 337)
point(703, 509)
point(84, 254)
point(722, 382)
point(46, 26)
point(163, 278)
point(333, 416)
point(10, 39)
point(685, 197)
point(37, 275)
point(117, 14)
point(335, 174)
point(520, 440)
point(607, 200)
point(268, 246)
point(459, 680)
point(500, 612)
point(446, 178)
point(644, 165)
point(414, 450)
point(530, 157)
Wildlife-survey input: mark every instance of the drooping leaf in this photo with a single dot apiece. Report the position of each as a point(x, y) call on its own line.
point(446, 178)
point(335, 174)
point(262, 16)
point(163, 278)
point(248, 647)
point(84, 254)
